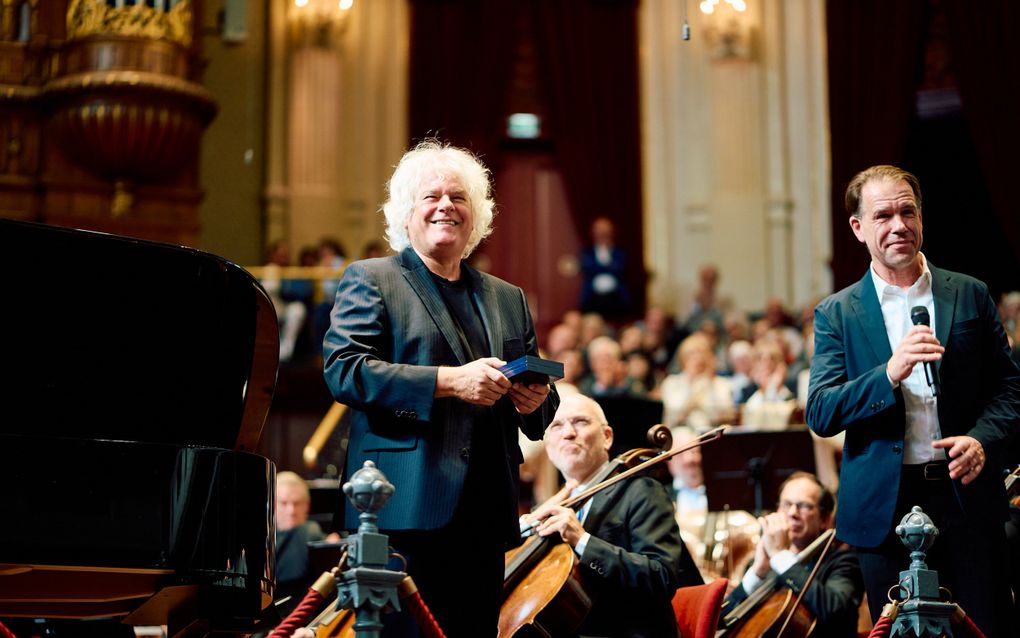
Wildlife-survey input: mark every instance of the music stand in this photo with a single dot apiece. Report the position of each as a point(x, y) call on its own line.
point(744, 469)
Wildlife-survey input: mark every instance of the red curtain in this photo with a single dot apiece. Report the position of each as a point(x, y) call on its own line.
point(460, 60)
point(875, 61)
point(986, 57)
point(589, 73)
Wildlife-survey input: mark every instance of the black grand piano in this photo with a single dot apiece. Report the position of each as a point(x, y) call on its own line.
point(135, 379)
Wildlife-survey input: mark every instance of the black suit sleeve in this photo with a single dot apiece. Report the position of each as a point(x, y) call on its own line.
point(637, 548)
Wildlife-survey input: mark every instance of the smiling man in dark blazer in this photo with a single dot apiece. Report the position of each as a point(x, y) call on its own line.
point(415, 347)
point(907, 444)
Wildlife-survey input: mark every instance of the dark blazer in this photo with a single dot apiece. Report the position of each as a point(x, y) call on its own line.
point(849, 390)
point(390, 331)
point(634, 561)
point(833, 597)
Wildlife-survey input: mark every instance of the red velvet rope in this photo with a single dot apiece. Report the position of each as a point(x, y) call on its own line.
point(881, 628)
point(970, 630)
point(5, 632)
point(301, 615)
point(421, 613)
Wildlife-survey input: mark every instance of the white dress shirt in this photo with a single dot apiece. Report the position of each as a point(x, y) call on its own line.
point(922, 425)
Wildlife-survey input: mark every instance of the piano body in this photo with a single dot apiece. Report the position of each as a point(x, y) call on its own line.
point(135, 379)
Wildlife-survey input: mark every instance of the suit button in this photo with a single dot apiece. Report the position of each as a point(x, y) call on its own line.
point(897, 449)
point(593, 565)
point(881, 403)
point(412, 414)
point(465, 453)
point(399, 413)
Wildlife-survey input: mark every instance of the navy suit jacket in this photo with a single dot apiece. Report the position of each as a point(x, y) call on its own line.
point(849, 390)
point(390, 330)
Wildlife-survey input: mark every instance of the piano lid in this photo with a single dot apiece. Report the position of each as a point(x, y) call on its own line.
point(106, 337)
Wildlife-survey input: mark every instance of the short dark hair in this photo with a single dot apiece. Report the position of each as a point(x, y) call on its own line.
point(826, 501)
point(852, 200)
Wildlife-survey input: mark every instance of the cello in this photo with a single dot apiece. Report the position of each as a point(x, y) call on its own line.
point(1013, 487)
point(772, 610)
point(543, 590)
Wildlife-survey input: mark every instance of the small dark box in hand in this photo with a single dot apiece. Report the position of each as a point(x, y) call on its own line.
point(529, 369)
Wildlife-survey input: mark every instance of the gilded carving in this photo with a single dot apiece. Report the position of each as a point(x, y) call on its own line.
point(91, 17)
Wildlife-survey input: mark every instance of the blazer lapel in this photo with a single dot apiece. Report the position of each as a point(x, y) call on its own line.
point(865, 306)
point(943, 291)
point(485, 300)
point(420, 280)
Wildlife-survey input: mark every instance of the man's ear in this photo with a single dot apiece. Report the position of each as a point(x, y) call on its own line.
point(609, 437)
point(855, 225)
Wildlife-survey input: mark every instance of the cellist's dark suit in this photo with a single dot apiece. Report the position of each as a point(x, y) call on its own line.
point(454, 465)
point(850, 391)
point(634, 561)
point(833, 596)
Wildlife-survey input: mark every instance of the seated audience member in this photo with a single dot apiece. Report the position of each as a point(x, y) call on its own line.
point(631, 555)
point(688, 477)
point(661, 337)
point(772, 404)
point(293, 533)
point(834, 595)
point(696, 396)
point(608, 372)
point(331, 255)
point(741, 364)
point(561, 337)
point(639, 369)
point(291, 298)
point(592, 325)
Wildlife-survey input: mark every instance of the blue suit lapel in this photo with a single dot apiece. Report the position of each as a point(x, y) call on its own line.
point(420, 280)
point(864, 304)
point(943, 290)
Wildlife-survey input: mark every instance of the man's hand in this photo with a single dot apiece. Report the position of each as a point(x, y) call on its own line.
point(967, 457)
point(556, 519)
point(527, 398)
point(775, 533)
point(761, 564)
point(479, 382)
point(919, 344)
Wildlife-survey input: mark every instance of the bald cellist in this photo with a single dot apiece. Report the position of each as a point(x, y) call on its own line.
point(626, 537)
point(805, 510)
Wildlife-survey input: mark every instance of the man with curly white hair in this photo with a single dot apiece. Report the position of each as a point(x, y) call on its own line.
point(415, 346)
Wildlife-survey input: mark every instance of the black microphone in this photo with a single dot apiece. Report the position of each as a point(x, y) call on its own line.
point(919, 317)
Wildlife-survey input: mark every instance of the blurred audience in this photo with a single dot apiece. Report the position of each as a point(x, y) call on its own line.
point(697, 396)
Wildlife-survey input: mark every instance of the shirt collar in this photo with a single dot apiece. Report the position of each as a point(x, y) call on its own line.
point(881, 285)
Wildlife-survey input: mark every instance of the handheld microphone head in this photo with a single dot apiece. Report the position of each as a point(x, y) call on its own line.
point(919, 316)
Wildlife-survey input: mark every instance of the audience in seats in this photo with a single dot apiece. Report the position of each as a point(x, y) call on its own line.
point(772, 404)
point(608, 376)
point(291, 297)
point(697, 396)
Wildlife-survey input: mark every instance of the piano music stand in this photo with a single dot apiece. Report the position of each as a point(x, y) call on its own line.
point(744, 469)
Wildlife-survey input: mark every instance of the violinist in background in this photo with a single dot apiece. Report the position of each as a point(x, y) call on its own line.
point(834, 595)
point(626, 537)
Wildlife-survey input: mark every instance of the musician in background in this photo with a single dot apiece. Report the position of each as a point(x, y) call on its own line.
point(293, 533)
point(625, 536)
point(834, 595)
